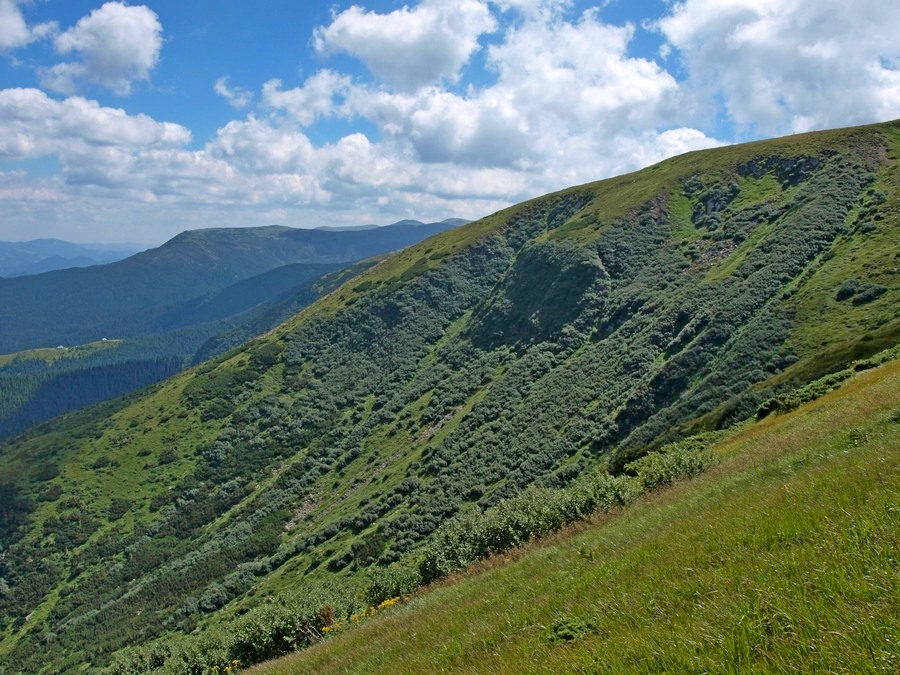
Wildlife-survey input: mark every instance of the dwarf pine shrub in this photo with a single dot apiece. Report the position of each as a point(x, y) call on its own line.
point(536, 512)
point(391, 582)
point(673, 463)
point(266, 632)
point(789, 400)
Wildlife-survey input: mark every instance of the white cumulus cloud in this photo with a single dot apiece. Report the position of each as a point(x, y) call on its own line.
point(561, 87)
point(34, 125)
point(115, 45)
point(318, 97)
point(410, 47)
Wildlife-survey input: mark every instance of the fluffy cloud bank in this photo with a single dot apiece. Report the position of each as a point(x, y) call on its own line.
point(559, 88)
point(552, 99)
point(32, 125)
point(115, 46)
point(410, 48)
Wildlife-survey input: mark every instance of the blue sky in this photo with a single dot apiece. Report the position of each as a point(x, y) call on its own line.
point(132, 122)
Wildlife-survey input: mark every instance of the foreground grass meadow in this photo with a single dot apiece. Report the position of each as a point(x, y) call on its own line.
point(782, 558)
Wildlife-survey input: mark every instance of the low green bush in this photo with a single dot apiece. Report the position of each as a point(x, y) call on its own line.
point(536, 512)
point(678, 461)
point(266, 632)
point(392, 581)
point(789, 400)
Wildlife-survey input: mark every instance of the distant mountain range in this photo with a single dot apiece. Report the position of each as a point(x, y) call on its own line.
point(149, 291)
point(454, 222)
point(153, 313)
point(18, 258)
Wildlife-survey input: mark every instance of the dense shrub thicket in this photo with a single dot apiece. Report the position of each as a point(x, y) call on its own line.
point(268, 631)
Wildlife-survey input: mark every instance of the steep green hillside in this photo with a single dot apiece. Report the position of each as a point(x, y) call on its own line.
point(780, 559)
point(540, 344)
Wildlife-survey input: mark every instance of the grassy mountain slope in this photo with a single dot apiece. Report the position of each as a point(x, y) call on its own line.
point(549, 340)
point(782, 558)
